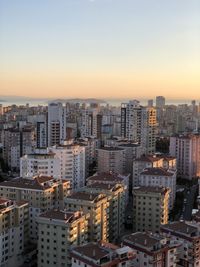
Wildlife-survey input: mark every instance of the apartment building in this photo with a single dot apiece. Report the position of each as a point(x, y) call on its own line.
point(46, 164)
point(102, 254)
point(160, 101)
point(152, 250)
point(151, 161)
point(138, 124)
point(188, 233)
point(150, 208)
point(91, 122)
point(117, 204)
point(14, 232)
point(41, 131)
point(186, 148)
point(72, 162)
point(56, 123)
point(111, 178)
point(111, 159)
point(42, 193)
point(97, 205)
point(91, 145)
point(58, 231)
point(16, 143)
point(160, 177)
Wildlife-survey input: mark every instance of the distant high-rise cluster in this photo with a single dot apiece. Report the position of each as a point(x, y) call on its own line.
point(91, 184)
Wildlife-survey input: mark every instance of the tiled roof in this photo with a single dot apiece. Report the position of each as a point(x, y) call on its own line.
point(156, 172)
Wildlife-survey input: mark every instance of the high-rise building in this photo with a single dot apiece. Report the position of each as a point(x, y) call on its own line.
point(14, 232)
point(1, 109)
point(91, 122)
point(111, 159)
point(97, 205)
point(150, 103)
point(186, 148)
point(102, 254)
point(117, 204)
point(160, 101)
point(150, 208)
point(56, 123)
point(152, 250)
point(16, 143)
point(42, 193)
point(138, 124)
point(41, 131)
point(72, 162)
point(58, 232)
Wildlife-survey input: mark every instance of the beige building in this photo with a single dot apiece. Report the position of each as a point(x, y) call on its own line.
point(111, 159)
point(102, 254)
point(152, 250)
point(97, 205)
point(188, 233)
point(111, 178)
point(117, 204)
point(150, 208)
point(186, 148)
point(58, 231)
point(160, 177)
point(139, 124)
point(151, 161)
point(14, 232)
point(41, 192)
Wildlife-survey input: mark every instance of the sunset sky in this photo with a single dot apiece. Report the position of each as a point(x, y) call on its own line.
point(100, 48)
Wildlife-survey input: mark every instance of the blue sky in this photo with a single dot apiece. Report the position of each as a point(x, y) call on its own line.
point(100, 43)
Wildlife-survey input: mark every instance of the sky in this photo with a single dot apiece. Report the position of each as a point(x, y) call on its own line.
point(100, 48)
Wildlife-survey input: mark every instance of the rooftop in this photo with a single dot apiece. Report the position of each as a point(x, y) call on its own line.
point(87, 196)
point(142, 239)
point(37, 183)
point(66, 216)
point(151, 189)
point(109, 148)
point(106, 176)
point(107, 186)
point(182, 228)
point(157, 172)
point(92, 250)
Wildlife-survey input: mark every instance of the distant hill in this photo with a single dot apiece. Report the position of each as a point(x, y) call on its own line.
point(81, 100)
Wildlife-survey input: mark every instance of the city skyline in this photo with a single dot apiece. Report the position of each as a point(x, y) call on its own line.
point(100, 48)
